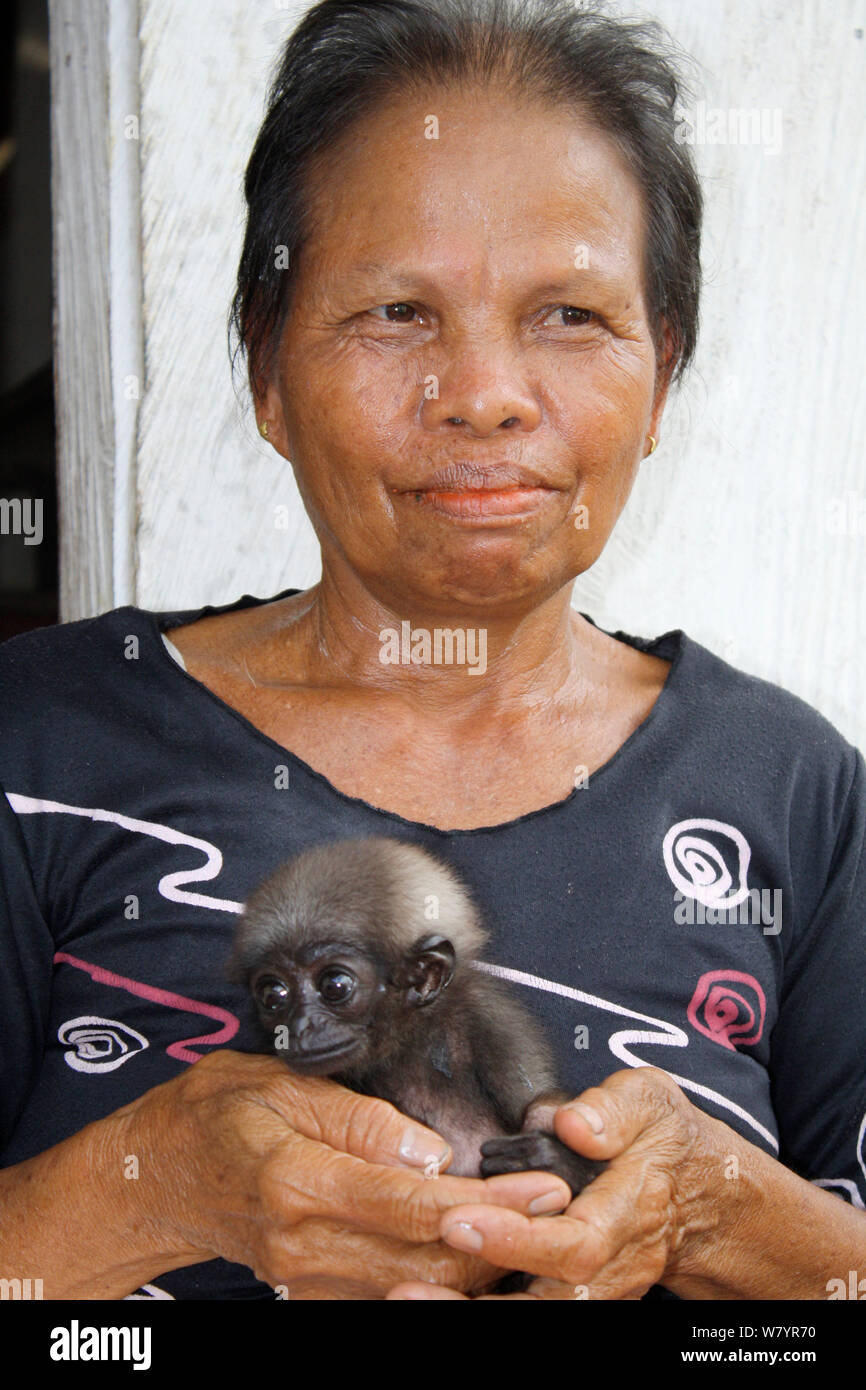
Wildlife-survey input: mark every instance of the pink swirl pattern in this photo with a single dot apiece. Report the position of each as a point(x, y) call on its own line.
point(725, 1014)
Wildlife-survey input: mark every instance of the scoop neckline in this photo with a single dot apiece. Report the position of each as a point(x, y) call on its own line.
point(663, 699)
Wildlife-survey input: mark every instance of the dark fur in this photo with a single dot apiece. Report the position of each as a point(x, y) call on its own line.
point(468, 1064)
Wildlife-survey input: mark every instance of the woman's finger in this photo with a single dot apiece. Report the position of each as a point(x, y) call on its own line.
point(605, 1120)
point(625, 1213)
point(349, 1264)
point(417, 1291)
point(309, 1179)
point(361, 1125)
point(563, 1249)
point(539, 1289)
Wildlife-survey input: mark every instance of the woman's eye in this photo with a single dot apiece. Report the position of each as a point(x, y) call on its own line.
point(271, 995)
point(573, 317)
point(336, 985)
point(402, 313)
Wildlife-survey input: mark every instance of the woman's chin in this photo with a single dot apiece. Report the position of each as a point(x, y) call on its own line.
point(494, 585)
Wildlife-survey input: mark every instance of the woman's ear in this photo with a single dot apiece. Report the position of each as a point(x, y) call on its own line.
point(667, 357)
point(269, 415)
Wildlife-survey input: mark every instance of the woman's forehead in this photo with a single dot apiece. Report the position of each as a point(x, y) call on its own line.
point(503, 179)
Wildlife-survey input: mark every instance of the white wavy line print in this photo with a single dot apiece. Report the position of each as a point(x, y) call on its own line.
point(849, 1186)
point(846, 1183)
point(168, 886)
point(147, 1293)
point(667, 1035)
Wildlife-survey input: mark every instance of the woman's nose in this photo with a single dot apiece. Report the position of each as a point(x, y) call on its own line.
point(482, 392)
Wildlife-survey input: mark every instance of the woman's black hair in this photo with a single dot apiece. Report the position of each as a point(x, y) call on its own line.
point(348, 56)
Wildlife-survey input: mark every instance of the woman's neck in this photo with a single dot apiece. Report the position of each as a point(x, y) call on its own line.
point(340, 632)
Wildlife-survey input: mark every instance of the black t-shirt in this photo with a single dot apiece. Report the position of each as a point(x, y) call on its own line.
point(698, 905)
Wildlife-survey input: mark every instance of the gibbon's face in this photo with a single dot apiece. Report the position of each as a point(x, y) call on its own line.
point(467, 380)
point(318, 1011)
point(334, 1007)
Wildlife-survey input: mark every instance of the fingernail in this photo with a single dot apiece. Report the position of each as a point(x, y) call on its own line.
point(549, 1201)
point(463, 1237)
point(592, 1117)
point(420, 1147)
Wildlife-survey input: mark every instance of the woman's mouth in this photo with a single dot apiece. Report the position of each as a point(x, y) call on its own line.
point(478, 504)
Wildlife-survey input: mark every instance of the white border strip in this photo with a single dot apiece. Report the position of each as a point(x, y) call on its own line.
point(126, 327)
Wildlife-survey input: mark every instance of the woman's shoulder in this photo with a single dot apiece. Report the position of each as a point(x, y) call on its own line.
point(58, 657)
point(763, 735)
point(60, 689)
point(52, 654)
point(754, 702)
point(732, 703)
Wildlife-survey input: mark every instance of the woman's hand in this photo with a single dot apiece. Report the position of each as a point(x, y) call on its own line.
point(618, 1237)
point(686, 1203)
point(320, 1191)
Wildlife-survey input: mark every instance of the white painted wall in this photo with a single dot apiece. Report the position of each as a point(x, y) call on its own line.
point(729, 533)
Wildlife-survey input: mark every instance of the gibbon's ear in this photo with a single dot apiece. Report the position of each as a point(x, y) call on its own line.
point(427, 970)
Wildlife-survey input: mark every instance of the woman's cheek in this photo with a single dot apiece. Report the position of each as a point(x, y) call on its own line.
point(602, 492)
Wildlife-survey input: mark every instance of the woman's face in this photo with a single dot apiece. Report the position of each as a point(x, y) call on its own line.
point(467, 379)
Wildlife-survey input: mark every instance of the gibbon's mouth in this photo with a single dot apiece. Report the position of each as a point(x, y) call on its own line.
point(311, 1061)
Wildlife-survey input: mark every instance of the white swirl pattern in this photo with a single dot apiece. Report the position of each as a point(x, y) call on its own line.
point(702, 869)
point(99, 1044)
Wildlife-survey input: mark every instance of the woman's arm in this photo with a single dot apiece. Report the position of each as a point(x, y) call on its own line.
point(312, 1186)
point(686, 1203)
point(70, 1219)
point(770, 1235)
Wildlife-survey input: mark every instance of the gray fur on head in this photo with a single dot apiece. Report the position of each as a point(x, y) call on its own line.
point(376, 891)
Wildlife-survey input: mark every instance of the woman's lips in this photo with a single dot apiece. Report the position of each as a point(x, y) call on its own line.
point(478, 503)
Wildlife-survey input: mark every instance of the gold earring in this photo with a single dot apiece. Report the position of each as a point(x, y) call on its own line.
point(653, 443)
point(263, 428)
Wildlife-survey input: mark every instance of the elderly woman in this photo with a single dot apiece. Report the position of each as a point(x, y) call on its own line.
point(469, 278)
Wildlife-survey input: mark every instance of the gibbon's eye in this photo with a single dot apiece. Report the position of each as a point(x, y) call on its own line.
point(336, 986)
point(271, 994)
point(578, 316)
point(402, 318)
